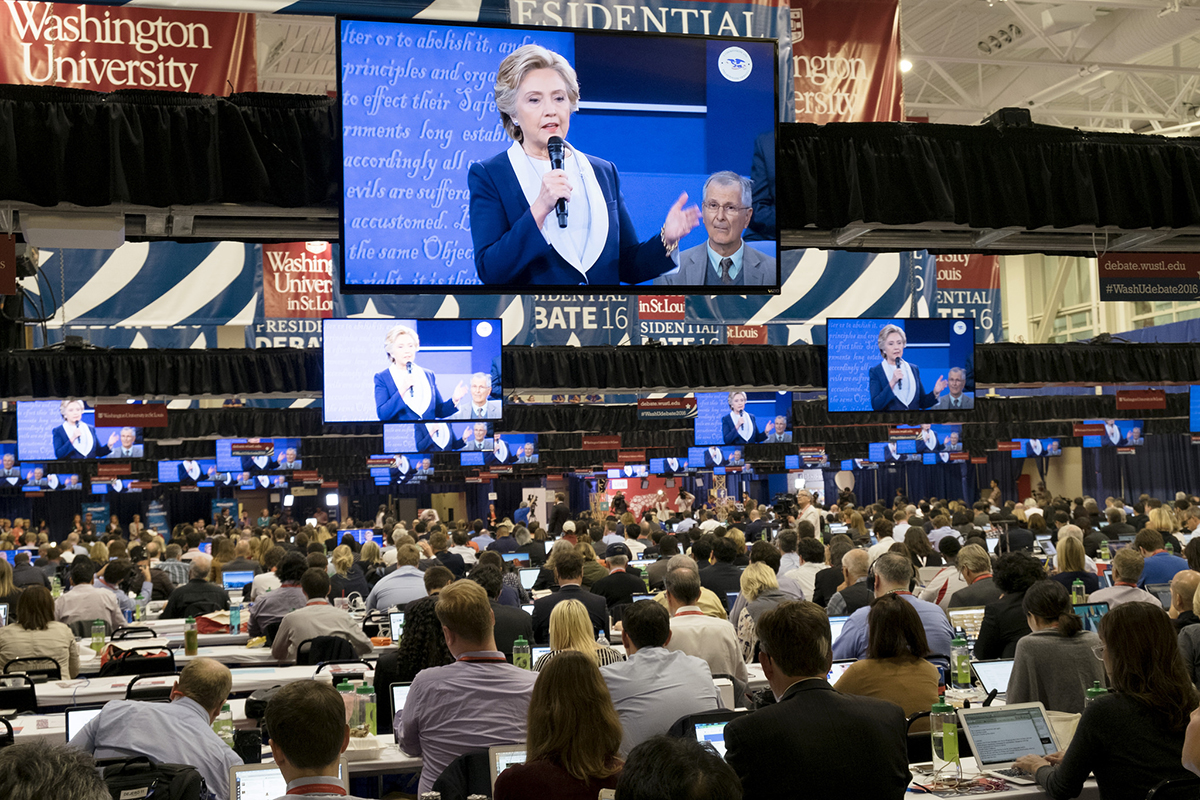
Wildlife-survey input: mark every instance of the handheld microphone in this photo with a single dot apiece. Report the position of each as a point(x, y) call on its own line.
point(554, 146)
point(899, 362)
point(412, 390)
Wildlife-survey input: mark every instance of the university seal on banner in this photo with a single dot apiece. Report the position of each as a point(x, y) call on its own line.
point(735, 64)
point(797, 25)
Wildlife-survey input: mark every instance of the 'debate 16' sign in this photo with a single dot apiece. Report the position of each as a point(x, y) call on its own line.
point(103, 49)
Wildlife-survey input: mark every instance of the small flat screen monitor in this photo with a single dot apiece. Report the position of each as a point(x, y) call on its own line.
point(246, 458)
point(1117, 433)
point(236, 580)
point(411, 370)
point(716, 456)
point(10, 556)
point(835, 628)
point(396, 625)
point(1194, 409)
point(63, 430)
point(1091, 614)
point(639, 597)
point(529, 577)
point(360, 535)
point(433, 185)
point(791, 462)
point(537, 652)
point(936, 365)
point(190, 472)
point(742, 418)
point(1034, 448)
point(668, 466)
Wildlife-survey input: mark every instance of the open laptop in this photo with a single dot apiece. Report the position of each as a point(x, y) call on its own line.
point(78, 716)
point(519, 558)
point(837, 670)
point(505, 756)
point(528, 609)
point(637, 598)
point(730, 599)
point(968, 619)
point(993, 674)
point(835, 627)
point(396, 624)
point(1162, 591)
point(3, 614)
point(265, 781)
point(537, 652)
point(529, 576)
point(999, 735)
point(237, 579)
point(709, 728)
point(399, 696)
point(1091, 613)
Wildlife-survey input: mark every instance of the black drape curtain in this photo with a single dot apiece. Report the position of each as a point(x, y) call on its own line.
point(939, 480)
point(1002, 468)
point(983, 176)
point(1160, 468)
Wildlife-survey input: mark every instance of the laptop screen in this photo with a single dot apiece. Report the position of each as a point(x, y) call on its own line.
point(206, 547)
point(264, 781)
point(712, 733)
point(537, 652)
point(1002, 735)
point(78, 717)
point(3, 614)
point(836, 671)
point(399, 695)
point(511, 557)
point(505, 757)
point(528, 609)
point(396, 619)
point(835, 627)
point(236, 580)
point(637, 598)
point(1091, 614)
point(730, 599)
point(529, 577)
point(1162, 591)
point(993, 674)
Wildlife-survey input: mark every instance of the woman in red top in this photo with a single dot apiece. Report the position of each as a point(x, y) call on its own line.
point(573, 736)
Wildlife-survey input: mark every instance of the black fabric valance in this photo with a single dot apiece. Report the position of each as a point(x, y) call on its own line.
point(899, 173)
point(166, 148)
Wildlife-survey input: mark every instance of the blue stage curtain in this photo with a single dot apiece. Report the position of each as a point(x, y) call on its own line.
point(1159, 468)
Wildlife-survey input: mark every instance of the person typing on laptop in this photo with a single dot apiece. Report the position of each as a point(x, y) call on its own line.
point(317, 618)
point(178, 732)
point(1132, 738)
point(307, 721)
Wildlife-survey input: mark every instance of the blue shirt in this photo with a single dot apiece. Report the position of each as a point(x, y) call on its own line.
point(1161, 568)
point(735, 269)
point(274, 606)
point(653, 688)
point(123, 599)
point(397, 589)
point(853, 641)
point(178, 732)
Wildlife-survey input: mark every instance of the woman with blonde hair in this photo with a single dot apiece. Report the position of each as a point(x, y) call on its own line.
point(98, 552)
point(760, 589)
point(1070, 564)
point(9, 592)
point(371, 560)
point(571, 630)
point(573, 736)
point(347, 577)
point(405, 391)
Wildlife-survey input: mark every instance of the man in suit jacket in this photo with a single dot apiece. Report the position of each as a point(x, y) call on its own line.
point(724, 260)
point(476, 438)
point(803, 739)
point(1117, 526)
point(527, 456)
point(722, 577)
point(619, 586)
point(560, 512)
point(975, 566)
point(480, 406)
point(956, 381)
point(568, 571)
point(127, 448)
point(440, 543)
point(510, 622)
point(780, 433)
point(8, 466)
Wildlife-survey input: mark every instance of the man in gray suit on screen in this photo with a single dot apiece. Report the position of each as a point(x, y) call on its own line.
point(956, 397)
point(724, 260)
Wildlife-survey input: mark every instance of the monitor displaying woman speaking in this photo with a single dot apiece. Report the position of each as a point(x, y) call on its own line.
point(901, 365)
point(492, 159)
point(64, 430)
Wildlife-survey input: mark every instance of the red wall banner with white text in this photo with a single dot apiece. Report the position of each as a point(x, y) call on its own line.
point(103, 49)
point(298, 279)
point(846, 60)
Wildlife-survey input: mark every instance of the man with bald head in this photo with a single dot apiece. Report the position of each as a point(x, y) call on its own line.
point(1183, 588)
point(857, 593)
point(178, 732)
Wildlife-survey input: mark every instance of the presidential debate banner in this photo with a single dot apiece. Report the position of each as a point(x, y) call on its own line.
point(969, 286)
point(83, 46)
point(846, 60)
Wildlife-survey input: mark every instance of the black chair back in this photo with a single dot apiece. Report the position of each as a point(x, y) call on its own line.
point(321, 649)
point(132, 632)
point(39, 670)
point(342, 673)
point(1176, 789)
point(82, 628)
point(156, 693)
point(20, 694)
point(7, 737)
point(139, 661)
point(377, 623)
point(270, 630)
point(466, 775)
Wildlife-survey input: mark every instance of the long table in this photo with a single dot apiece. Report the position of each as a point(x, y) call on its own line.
point(88, 691)
point(970, 768)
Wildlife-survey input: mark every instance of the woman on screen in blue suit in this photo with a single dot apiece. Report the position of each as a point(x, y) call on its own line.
point(515, 232)
point(405, 392)
point(739, 425)
point(896, 383)
point(75, 438)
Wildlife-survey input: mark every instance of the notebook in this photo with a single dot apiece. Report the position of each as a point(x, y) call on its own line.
point(78, 716)
point(396, 620)
point(1001, 735)
point(265, 781)
point(993, 674)
point(237, 579)
point(505, 756)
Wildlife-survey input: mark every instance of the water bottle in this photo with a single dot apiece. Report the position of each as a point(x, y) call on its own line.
point(1078, 592)
point(943, 729)
point(1091, 694)
point(346, 689)
point(522, 654)
point(55, 587)
point(98, 636)
point(602, 638)
point(223, 725)
point(1105, 553)
point(366, 705)
point(960, 658)
point(235, 618)
point(191, 637)
point(1170, 547)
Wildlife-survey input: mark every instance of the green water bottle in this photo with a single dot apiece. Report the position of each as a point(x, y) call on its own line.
point(98, 636)
point(367, 708)
point(1091, 694)
point(522, 654)
point(1105, 553)
point(943, 729)
point(1078, 592)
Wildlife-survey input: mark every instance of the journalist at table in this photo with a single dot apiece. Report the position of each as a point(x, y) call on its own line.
point(896, 382)
point(515, 229)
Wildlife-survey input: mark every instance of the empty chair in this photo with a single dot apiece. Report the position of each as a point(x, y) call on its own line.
point(323, 648)
point(159, 692)
point(19, 694)
point(39, 669)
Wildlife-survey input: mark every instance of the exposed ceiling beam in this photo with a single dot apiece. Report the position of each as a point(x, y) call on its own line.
point(1082, 68)
point(1049, 110)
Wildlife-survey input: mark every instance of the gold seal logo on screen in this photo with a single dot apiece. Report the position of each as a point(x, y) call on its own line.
point(735, 64)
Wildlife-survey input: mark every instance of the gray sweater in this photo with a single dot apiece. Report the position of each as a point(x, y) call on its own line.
point(1055, 670)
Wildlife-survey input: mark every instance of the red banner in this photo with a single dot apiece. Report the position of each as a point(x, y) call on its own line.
point(602, 442)
point(107, 469)
point(1080, 429)
point(8, 264)
point(85, 47)
point(141, 415)
point(306, 475)
point(143, 485)
point(298, 279)
point(1008, 447)
point(746, 334)
point(631, 455)
point(961, 457)
point(1126, 451)
point(1141, 399)
point(660, 307)
point(846, 60)
point(978, 459)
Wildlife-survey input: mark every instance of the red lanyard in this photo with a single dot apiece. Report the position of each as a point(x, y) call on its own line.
point(317, 788)
point(483, 660)
point(690, 614)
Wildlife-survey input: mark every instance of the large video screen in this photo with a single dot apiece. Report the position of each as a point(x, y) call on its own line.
point(450, 177)
point(390, 370)
point(742, 418)
point(1194, 409)
point(929, 438)
point(38, 479)
point(715, 456)
point(1050, 448)
point(669, 466)
point(1117, 433)
point(257, 456)
point(10, 466)
point(62, 430)
point(190, 472)
point(899, 365)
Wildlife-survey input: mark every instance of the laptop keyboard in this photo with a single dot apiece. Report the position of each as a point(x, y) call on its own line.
point(1013, 772)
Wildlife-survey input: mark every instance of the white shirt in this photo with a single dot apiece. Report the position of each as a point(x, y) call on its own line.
point(806, 576)
point(85, 442)
point(743, 423)
point(263, 583)
point(876, 550)
point(906, 390)
point(708, 638)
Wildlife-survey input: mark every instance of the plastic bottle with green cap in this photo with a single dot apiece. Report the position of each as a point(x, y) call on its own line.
point(943, 730)
point(1091, 694)
point(191, 637)
point(1105, 553)
point(1078, 592)
point(366, 706)
point(960, 657)
point(346, 689)
point(522, 654)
